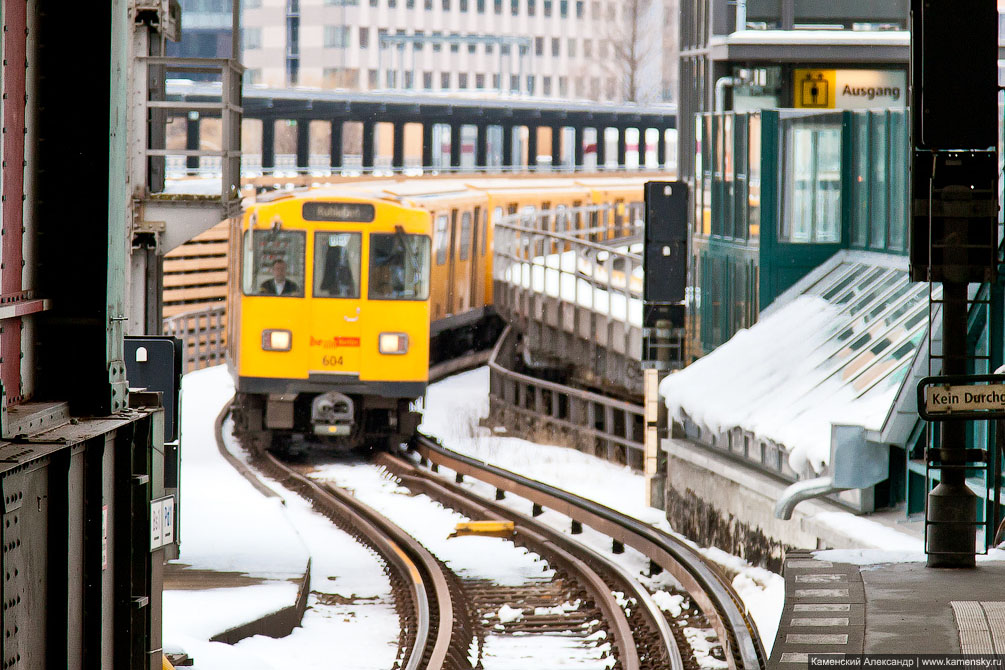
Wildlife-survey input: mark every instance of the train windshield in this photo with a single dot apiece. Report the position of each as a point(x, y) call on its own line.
point(399, 267)
point(336, 264)
point(274, 263)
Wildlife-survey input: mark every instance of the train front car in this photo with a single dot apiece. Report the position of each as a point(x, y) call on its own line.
point(328, 339)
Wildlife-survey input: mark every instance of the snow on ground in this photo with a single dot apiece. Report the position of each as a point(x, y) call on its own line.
point(431, 524)
point(453, 410)
point(226, 524)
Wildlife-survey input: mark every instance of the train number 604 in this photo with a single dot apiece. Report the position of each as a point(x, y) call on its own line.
point(331, 360)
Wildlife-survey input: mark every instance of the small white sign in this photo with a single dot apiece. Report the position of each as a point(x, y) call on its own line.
point(104, 537)
point(870, 89)
point(949, 399)
point(161, 522)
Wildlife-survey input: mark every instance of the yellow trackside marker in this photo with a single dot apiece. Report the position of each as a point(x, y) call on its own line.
point(485, 528)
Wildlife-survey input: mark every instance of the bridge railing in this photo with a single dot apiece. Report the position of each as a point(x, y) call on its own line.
point(203, 334)
point(571, 281)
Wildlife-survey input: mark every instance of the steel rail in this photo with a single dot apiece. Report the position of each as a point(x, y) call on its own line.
point(413, 563)
point(548, 541)
point(708, 589)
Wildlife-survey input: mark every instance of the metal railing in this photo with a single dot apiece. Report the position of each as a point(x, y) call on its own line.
point(570, 282)
point(203, 335)
point(605, 427)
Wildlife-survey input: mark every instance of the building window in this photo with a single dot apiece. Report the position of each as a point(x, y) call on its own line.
point(563, 87)
point(292, 71)
point(547, 7)
point(545, 85)
point(373, 3)
point(371, 79)
point(340, 77)
point(514, 83)
point(428, 5)
point(391, 4)
point(480, 6)
point(479, 81)
point(580, 9)
point(530, 84)
point(611, 87)
point(390, 78)
point(427, 80)
point(496, 81)
point(572, 47)
point(252, 4)
point(462, 80)
point(563, 8)
point(409, 79)
point(437, 46)
point(588, 48)
point(504, 50)
point(252, 77)
point(580, 89)
point(336, 37)
point(464, 6)
point(472, 48)
point(252, 38)
point(532, 7)
point(454, 46)
point(556, 48)
point(418, 46)
point(409, 4)
point(594, 87)
point(445, 80)
point(539, 46)
point(489, 48)
point(497, 6)
point(811, 205)
point(514, 7)
point(364, 37)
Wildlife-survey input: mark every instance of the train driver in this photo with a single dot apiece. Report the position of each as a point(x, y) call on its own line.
point(279, 284)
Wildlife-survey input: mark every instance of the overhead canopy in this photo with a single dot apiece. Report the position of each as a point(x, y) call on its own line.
point(837, 348)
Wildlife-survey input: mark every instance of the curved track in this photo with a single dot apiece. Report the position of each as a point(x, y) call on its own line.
point(713, 594)
point(424, 599)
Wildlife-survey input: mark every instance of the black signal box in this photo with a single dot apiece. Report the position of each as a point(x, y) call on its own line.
point(665, 259)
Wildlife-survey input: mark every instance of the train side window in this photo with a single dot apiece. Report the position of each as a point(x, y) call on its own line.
point(465, 235)
point(442, 223)
point(274, 263)
point(337, 264)
point(399, 267)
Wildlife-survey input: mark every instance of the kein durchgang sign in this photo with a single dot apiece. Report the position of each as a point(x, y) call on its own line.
point(950, 399)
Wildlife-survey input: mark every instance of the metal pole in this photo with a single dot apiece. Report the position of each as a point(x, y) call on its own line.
point(952, 506)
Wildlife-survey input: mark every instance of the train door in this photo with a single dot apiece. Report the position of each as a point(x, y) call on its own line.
point(452, 264)
point(338, 305)
point(473, 299)
point(441, 271)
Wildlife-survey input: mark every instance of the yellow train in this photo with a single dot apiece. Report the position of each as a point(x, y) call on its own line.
point(338, 296)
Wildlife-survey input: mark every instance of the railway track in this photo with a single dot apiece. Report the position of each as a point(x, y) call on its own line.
point(716, 598)
point(444, 619)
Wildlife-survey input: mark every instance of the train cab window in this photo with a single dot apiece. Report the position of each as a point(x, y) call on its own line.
point(465, 235)
point(336, 264)
point(274, 263)
point(399, 267)
point(440, 234)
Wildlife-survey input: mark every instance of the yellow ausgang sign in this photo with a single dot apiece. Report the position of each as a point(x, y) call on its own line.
point(815, 89)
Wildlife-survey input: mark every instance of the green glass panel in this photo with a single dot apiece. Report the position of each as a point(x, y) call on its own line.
point(878, 187)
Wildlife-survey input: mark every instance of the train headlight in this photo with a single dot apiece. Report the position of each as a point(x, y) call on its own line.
point(277, 340)
point(392, 343)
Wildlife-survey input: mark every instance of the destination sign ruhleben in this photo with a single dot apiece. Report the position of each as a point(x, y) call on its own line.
point(949, 399)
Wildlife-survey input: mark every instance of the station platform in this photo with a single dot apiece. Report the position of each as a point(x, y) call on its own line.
point(885, 602)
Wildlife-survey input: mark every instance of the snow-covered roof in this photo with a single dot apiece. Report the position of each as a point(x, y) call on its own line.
point(834, 349)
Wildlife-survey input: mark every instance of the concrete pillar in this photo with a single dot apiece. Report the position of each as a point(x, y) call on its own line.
point(661, 148)
point(507, 146)
point(455, 145)
point(482, 146)
point(336, 147)
point(577, 153)
point(398, 155)
point(268, 144)
point(368, 127)
point(621, 148)
point(556, 147)
point(532, 147)
point(192, 139)
point(303, 144)
point(427, 145)
point(601, 147)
